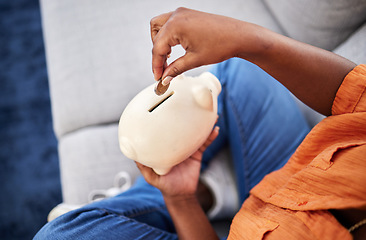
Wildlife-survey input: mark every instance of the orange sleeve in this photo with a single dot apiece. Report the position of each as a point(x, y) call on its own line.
point(351, 95)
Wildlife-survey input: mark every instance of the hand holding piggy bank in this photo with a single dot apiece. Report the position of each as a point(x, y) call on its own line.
point(162, 131)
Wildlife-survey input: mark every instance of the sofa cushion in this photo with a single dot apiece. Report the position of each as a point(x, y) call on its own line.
point(90, 159)
point(354, 48)
point(322, 23)
point(99, 52)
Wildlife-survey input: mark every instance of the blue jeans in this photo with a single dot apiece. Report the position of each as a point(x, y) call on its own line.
point(260, 122)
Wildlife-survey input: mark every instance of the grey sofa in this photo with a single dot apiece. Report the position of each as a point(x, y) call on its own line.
point(99, 56)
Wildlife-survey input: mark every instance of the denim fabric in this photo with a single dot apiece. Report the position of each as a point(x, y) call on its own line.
point(258, 119)
point(138, 213)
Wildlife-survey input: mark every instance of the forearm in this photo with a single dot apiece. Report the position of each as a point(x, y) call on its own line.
point(310, 73)
point(189, 219)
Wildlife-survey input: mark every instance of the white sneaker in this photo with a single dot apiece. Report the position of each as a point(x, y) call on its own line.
point(122, 182)
point(219, 178)
point(61, 209)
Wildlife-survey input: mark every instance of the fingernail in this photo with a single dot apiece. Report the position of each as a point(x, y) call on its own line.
point(166, 80)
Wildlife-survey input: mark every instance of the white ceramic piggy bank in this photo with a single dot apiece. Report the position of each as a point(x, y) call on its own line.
point(162, 131)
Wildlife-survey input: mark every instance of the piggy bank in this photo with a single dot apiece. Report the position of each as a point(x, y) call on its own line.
point(162, 131)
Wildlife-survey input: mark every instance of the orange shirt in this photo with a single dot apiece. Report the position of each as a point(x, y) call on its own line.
point(327, 171)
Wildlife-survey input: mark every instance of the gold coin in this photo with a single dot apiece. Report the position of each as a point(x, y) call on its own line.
point(160, 89)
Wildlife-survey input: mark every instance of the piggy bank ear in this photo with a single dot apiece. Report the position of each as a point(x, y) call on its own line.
point(127, 148)
point(203, 97)
point(213, 81)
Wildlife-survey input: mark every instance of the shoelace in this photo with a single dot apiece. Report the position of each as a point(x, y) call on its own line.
point(357, 225)
point(122, 182)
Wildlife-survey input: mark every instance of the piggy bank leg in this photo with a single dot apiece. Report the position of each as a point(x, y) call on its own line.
point(161, 171)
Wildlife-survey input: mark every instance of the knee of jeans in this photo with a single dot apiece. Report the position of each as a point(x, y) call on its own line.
point(71, 225)
point(220, 71)
point(238, 75)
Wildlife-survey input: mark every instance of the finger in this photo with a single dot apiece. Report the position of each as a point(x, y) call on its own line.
point(162, 46)
point(180, 65)
point(157, 23)
point(148, 173)
point(198, 154)
point(210, 139)
point(160, 52)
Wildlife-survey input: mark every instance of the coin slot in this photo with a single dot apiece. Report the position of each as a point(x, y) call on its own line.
point(161, 102)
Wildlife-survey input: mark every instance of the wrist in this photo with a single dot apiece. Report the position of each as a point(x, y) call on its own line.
point(180, 199)
point(189, 218)
point(253, 41)
point(182, 202)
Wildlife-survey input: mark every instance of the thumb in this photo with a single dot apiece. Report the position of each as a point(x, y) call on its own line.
point(179, 66)
point(150, 176)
